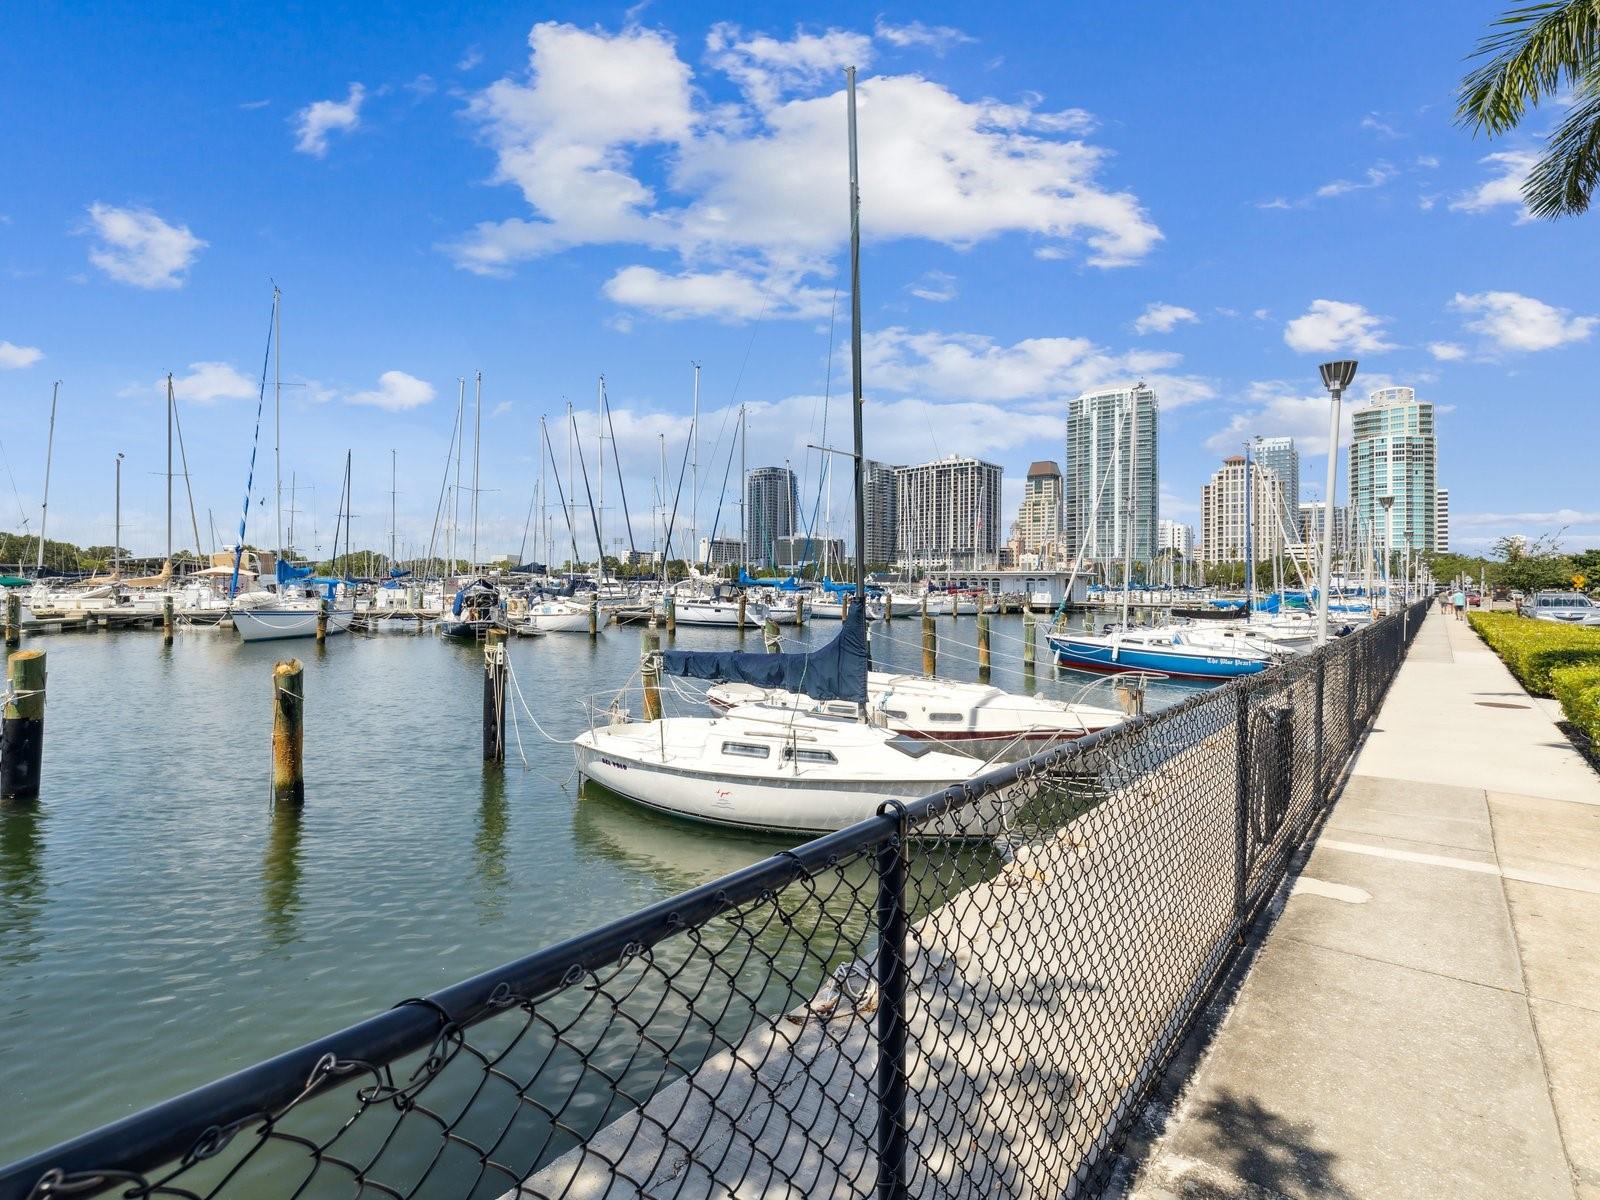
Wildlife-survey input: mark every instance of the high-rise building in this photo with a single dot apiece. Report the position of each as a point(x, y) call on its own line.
point(1393, 453)
point(719, 551)
point(772, 506)
point(1313, 515)
point(1111, 460)
point(878, 486)
point(947, 513)
point(1441, 520)
point(1279, 455)
point(1038, 529)
point(1176, 537)
point(799, 550)
point(1222, 513)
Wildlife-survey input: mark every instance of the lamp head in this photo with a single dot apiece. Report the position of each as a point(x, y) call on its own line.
point(1336, 376)
point(1387, 502)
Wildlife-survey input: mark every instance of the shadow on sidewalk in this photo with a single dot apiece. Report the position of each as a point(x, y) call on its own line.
point(1258, 1146)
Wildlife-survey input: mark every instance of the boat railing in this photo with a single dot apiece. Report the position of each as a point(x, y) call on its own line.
point(971, 992)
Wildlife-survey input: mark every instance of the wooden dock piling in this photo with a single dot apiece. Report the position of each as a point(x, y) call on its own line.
point(650, 677)
point(167, 618)
point(288, 732)
point(494, 696)
point(594, 619)
point(930, 647)
point(799, 609)
point(983, 643)
point(1027, 637)
point(13, 622)
point(22, 728)
point(741, 609)
point(671, 603)
point(769, 634)
point(322, 620)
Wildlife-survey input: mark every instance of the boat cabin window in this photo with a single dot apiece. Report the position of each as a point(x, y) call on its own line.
point(746, 750)
point(895, 713)
point(798, 754)
point(943, 716)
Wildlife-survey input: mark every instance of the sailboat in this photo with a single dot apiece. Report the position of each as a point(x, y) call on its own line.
point(775, 767)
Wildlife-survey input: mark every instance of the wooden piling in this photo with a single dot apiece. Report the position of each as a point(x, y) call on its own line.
point(13, 622)
point(741, 609)
point(672, 613)
point(769, 634)
point(650, 677)
point(1027, 636)
point(288, 732)
point(930, 647)
point(924, 605)
point(494, 696)
point(594, 625)
point(22, 727)
point(322, 620)
point(983, 644)
point(166, 618)
point(888, 606)
point(799, 609)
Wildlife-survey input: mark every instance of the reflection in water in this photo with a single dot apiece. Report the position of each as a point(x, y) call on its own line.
point(280, 874)
point(675, 854)
point(489, 845)
point(21, 881)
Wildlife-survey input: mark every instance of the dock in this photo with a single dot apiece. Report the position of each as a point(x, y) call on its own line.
point(1423, 1018)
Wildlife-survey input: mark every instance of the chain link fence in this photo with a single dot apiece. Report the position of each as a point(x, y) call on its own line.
point(967, 996)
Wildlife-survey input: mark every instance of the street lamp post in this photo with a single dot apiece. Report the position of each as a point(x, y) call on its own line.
point(1388, 548)
point(1336, 376)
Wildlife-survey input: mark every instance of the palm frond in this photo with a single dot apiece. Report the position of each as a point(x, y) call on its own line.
point(1533, 53)
point(1562, 182)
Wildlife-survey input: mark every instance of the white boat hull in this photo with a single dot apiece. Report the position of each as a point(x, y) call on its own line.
point(277, 624)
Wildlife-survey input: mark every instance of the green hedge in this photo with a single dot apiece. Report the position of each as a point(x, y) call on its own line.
point(1534, 649)
point(1578, 689)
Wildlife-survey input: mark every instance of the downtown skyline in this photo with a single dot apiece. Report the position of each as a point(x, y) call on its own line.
point(608, 193)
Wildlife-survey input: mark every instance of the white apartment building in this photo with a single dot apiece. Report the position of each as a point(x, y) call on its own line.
point(947, 512)
point(1111, 464)
point(1222, 513)
point(1176, 537)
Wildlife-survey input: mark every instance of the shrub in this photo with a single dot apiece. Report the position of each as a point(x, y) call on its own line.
point(1578, 689)
point(1533, 649)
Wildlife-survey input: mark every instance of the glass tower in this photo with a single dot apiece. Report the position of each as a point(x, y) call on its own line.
point(1394, 453)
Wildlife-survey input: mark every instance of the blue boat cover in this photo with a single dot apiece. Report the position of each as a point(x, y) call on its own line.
point(287, 573)
point(397, 573)
point(837, 671)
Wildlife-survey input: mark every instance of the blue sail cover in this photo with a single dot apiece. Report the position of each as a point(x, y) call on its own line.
point(288, 573)
point(837, 671)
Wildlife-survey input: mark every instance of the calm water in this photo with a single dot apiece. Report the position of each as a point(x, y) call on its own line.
point(160, 925)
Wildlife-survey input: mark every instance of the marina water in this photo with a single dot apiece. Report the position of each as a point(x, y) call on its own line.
point(161, 925)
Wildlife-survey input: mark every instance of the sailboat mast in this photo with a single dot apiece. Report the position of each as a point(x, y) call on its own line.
point(855, 343)
point(116, 535)
point(744, 477)
point(477, 431)
point(455, 494)
point(49, 447)
point(169, 466)
point(277, 406)
point(600, 453)
point(394, 481)
point(1249, 538)
point(694, 471)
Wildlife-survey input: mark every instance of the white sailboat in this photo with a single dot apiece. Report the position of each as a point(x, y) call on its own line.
point(773, 767)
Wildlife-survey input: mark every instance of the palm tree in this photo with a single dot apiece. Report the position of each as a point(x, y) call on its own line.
point(1536, 53)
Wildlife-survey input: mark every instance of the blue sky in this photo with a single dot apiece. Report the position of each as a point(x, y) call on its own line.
point(1053, 199)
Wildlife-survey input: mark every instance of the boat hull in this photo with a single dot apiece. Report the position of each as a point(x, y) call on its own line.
point(1098, 656)
point(275, 625)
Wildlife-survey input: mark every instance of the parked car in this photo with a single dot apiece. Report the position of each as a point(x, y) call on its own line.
point(1569, 608)
point(1474, 600)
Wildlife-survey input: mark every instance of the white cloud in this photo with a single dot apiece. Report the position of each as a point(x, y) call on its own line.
point(315, 122)
point(1502, 189)
point(937, 286)
point(724, 295)
point(396, 392)
point(253, 105)
point(1427, 161)
point(1373, 123)
point(611, 143)
point(14, 357)
point(938, 38)
point(1447, 351)
point(500, 409)
point(1559, 517)
point(1278, 409)
point(1336, 325)
point(137, 247)
point(1160, 317)
point(1375, 177)
point(1511, 321)
point(206, 383)
point(470, 59)
point(972, 366)
point(1275, 202)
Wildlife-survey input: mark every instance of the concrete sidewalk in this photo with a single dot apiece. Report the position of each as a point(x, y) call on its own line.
point(1424, 1018)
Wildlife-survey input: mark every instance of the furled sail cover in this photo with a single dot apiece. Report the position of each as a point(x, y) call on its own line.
point(288, 573)
point(837, 671)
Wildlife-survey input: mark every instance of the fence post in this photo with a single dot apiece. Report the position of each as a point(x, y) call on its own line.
point(893, 932)
point(1241, 808)
point(1321, 676)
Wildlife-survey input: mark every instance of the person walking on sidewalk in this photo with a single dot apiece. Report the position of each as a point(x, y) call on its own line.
point(1459, 601)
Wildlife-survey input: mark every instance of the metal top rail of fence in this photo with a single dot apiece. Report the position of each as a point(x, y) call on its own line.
point(965, 996)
